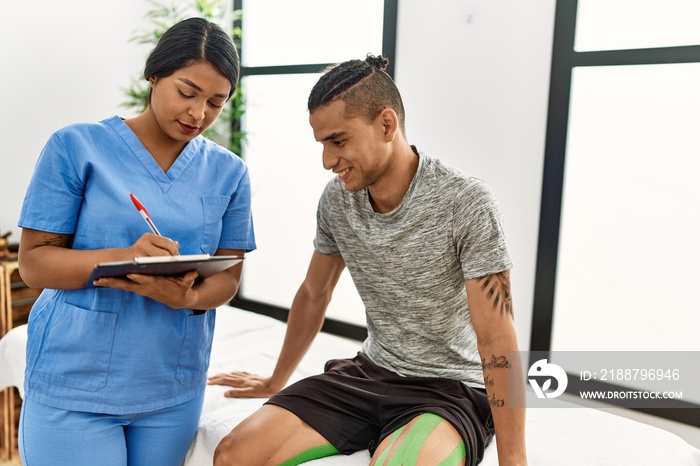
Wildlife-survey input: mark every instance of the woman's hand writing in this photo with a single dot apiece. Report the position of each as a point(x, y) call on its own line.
point(152, 245)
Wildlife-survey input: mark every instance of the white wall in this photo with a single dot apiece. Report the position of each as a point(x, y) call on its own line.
point(62, 62)
point(473, 73)
point(474, 76)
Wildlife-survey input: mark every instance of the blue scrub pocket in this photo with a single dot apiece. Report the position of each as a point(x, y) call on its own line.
point(214, 208)
point(77, 349)
point(196, 348)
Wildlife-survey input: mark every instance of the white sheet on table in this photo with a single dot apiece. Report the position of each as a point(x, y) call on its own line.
point(12, 358)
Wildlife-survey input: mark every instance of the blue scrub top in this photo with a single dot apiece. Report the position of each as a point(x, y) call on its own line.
point(112, 351)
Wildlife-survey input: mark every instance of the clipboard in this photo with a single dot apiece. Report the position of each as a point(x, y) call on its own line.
point(204, 264)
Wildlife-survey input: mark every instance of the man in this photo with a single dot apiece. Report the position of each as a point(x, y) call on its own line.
point(425, 248)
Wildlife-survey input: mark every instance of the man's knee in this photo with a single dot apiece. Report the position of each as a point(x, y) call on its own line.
point(237, 449)
point(260, 439)
point(225, 452)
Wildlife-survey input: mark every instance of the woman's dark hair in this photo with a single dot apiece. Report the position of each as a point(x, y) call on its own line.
point(363, 85)
point(193, 40)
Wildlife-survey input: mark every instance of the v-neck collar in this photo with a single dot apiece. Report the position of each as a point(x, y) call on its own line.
point(165, 179)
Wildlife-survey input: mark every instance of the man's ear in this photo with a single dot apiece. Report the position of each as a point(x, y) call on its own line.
point(152, 80)
point(390, 123)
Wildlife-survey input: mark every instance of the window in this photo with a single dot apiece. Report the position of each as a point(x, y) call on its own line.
point(636, 24)
point(619, 218)
point(285, 45)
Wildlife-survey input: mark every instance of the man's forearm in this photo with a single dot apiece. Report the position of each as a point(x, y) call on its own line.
point(303, 324)
point(501, 360)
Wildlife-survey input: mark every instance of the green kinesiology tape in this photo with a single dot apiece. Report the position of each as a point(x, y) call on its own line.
point(410, 447)
point(311, 454)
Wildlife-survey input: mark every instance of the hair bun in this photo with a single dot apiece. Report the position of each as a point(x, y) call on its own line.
point(379, 61)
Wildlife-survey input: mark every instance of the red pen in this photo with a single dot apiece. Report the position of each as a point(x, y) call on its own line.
point(144, 213)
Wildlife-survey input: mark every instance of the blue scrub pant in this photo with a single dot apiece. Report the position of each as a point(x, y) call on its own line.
point(56, 437)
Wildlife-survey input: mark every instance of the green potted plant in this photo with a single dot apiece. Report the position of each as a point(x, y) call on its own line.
point(226, 131)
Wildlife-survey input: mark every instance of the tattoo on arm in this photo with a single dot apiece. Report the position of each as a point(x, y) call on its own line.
point(497, 289)
point(55, 240)
point(496, 362)
point(496, 402)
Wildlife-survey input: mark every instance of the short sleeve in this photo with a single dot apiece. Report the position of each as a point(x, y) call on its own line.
point(55, 194)
point(238, 231)
point(324, 242)
point(478, 230)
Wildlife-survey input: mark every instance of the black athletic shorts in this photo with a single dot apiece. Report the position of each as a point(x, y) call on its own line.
point(355, 404)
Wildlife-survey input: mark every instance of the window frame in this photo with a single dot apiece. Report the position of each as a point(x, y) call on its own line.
point(564, 59)
point(389, 31)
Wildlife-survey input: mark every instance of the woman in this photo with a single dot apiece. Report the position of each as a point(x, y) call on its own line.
point(116, 372)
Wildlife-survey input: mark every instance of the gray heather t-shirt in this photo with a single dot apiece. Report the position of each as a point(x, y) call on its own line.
point(409, 267)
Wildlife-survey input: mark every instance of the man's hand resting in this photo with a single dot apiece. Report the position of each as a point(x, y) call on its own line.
point(245, 385)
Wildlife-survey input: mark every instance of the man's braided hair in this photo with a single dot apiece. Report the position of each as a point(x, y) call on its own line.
point(363, 85)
